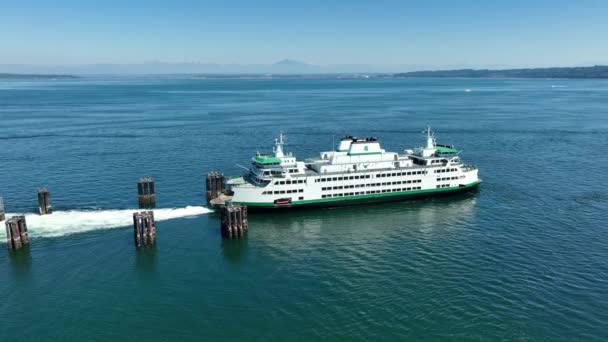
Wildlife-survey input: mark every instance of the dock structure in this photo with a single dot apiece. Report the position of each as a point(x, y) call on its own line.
point(234, 223)
point(144, 228)
point(146, 192)
point(216, 185)
point(2, 212)
point(44, 201)
point(16, 233)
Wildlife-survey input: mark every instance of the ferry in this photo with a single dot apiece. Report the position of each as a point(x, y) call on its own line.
point(358, 171)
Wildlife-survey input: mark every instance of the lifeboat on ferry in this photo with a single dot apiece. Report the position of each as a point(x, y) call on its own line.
point(282, 201)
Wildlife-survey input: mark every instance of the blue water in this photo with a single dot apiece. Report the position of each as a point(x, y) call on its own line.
point(525, 257)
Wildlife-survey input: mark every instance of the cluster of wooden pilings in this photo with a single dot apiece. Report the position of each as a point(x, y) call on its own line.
point(234, 223)
point(144, 228)
point(146, 193)
point(16, 233)
point(44, 201)
point(216, 185)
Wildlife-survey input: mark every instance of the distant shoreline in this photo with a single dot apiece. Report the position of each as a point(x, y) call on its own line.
point(8, 76)
point(594, 72)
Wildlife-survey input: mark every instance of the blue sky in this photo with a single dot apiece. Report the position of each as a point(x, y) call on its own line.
point(423, 32)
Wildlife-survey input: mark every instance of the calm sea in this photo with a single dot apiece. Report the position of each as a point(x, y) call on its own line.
point(523, 258)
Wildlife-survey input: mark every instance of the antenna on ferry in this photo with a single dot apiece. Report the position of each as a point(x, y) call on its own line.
point(278, 146)
point(430, 137)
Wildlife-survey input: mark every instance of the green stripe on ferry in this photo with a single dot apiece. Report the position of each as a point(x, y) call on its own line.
point(364, 153)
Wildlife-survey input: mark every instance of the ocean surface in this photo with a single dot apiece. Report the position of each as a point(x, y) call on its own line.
point(523, 258)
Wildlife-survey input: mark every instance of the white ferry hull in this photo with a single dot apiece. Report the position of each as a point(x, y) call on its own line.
point(361, 199)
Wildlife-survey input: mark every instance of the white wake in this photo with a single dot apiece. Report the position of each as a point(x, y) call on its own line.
point(61, 223)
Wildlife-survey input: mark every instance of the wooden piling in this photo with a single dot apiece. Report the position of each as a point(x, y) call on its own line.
point(44, 201)
point(144, 228)
point(233, 221)
point(22, 229)
point(2, 213)
point(16, 233)
point(146, 192)
point(216, 185)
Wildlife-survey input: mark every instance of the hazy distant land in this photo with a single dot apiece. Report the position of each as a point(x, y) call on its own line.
point(597, 71)
point(293, 69)
point(5, 76)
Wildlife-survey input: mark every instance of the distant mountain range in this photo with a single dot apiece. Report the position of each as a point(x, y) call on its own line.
point(597, 71)
point(285, 66)
point(288, 68)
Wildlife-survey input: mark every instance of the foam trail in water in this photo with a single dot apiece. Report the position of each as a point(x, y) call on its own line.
point(61, 223)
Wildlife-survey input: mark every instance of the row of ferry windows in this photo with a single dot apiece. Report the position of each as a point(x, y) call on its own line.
point(378, 175)
point(289, 182)
point(446, 178)
point(281, 192)
point(446, 170)
point(329, 179)
point(408, 173)
point(443, 186)
point(371, 192)
point(340, 187)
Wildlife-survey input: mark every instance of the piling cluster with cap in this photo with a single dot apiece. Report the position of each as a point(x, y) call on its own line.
point(16, 233)
point(216, 185)
point(234, 223)
point(144, 228)
point(44, 201)
point(146, 192)
point(2, 213)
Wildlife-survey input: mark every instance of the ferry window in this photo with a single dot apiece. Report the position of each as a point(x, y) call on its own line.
point(281, 183)
point(288, 182)
point(301, 190)
point(356, 177)
point(334, 179)
point(276, 192)
point(339, 178)
point(282, 191)
point(300, 198)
